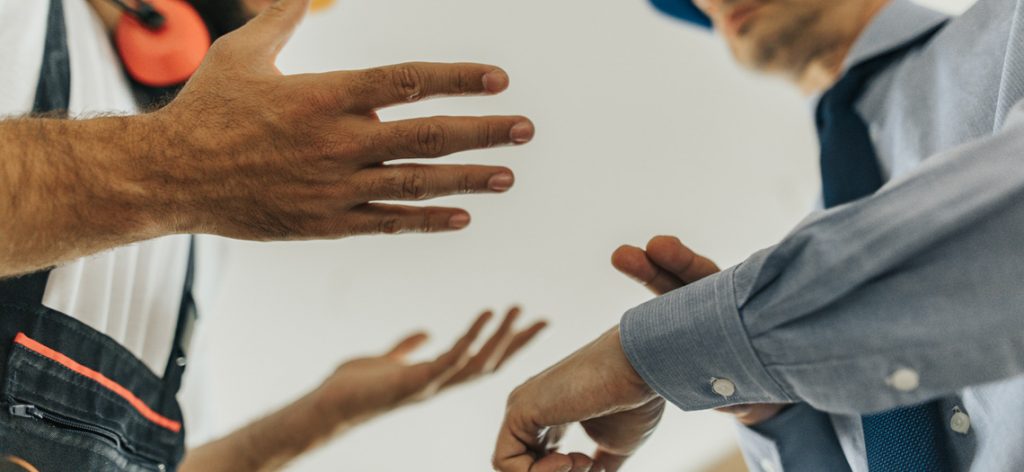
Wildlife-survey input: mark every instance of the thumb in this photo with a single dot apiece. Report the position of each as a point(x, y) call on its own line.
point(272, 28)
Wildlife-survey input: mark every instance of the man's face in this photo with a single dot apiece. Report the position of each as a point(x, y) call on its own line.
point(785, 36)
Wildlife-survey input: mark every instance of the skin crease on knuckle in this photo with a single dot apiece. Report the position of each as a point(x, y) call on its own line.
point(460, 82)
point(431, 139)
point(408, 82)
point(466, 184)
point(415, 185)
point(389, 225)
point(485, 135)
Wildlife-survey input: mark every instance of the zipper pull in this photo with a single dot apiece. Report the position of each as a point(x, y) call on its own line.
point(25, 411)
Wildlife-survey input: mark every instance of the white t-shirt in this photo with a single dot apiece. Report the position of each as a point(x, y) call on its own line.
point(132, 293)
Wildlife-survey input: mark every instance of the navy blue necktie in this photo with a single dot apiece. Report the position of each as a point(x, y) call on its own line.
point(904, 439)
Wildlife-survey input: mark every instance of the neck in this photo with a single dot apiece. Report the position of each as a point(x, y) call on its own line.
point(820, 74)
point(109, 13)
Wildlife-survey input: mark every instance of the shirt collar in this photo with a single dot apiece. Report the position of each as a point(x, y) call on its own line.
point(898, 22)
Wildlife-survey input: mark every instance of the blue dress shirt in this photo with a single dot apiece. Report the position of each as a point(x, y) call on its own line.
point(910, 295)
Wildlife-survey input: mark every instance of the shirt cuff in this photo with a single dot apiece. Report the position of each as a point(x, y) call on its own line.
point(691, 347)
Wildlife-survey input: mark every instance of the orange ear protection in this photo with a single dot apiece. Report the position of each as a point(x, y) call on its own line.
point(161, 42)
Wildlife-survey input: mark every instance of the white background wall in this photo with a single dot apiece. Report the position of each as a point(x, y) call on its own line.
point(644, 127)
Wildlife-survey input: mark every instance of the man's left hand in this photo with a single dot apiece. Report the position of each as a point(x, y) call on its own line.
point(364, 388)
point(666, 265)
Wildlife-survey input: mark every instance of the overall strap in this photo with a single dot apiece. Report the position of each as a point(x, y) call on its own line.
point(187, 316)
point(53, 94)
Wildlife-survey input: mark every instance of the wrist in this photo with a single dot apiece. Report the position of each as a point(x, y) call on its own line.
point(127, 180)
point(629, 373)
point(275, 440)
point(157, 166)
point(335, 414)
point(111, 175)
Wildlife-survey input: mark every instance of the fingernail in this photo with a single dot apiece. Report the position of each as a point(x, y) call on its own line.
point(458, 221)
point(521, 133)
point(565, 468)
point(501, 182)
point(495, 81)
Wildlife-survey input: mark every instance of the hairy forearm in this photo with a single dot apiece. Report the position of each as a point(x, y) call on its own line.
point(269, 443)
point(70, 188)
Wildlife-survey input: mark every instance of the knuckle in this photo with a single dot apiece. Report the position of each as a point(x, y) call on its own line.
point(466, 184)
point(407, 80)
point(513, 398)
point(431, 139)
point(426, 224)
point(460, 82)
point(389, 226)
point(414, 185)
point(276, 9)
point(485, 135)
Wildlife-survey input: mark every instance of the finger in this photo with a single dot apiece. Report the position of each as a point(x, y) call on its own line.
point(751, 415)
point(423, 182)
point(406, 346)
point(520, 340)
point(670, 254)
point(380, 218)
point(379, 87)
point(607, 462)
point(514, 449)
point(269, 31)
point(513, 455)
point(553, 463)
point(487, 357)
point(634, 262)
point(580, 462)
point(496, 345)
point(443, 135)
point(449, 363)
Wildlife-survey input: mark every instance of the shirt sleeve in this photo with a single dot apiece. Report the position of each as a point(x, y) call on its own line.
point(910, 294)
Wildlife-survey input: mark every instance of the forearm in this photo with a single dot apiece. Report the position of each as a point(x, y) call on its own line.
point(70, 188)
point(921, 279)
point(271, 442)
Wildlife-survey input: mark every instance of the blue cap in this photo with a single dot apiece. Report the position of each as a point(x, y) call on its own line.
point(684, 10)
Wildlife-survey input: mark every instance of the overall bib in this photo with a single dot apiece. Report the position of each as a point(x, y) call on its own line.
point(72, 398)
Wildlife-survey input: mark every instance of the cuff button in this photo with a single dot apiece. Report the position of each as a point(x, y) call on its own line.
point(723, 387)
point(904, 380)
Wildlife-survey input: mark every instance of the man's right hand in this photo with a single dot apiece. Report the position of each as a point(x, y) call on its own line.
point(666, 265)
point(248, 153)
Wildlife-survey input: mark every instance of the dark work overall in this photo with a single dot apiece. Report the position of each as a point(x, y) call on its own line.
point(71, 398)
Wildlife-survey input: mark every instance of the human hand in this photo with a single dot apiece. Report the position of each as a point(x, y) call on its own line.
point(667, 265)
point(248, 153)
point(596, 387)
point(362, 389)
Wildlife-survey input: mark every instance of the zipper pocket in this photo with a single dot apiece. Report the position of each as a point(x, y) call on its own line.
point(29, 411)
